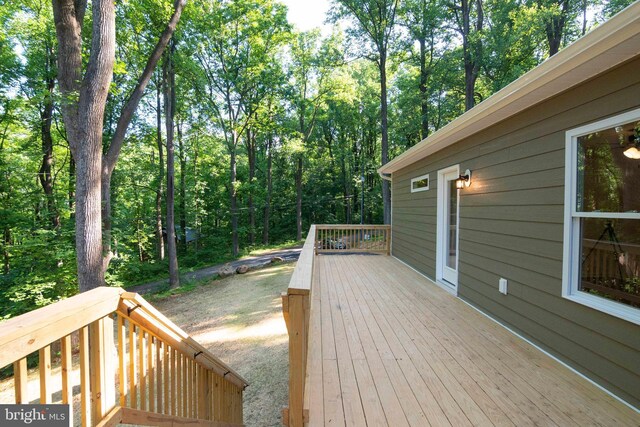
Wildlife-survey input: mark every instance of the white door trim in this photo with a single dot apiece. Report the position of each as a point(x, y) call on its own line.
point(442, 224)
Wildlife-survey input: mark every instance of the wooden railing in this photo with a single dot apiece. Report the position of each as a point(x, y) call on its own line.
point(298, 302)
point(608, 265)
point(353, 238)
point(128, 353)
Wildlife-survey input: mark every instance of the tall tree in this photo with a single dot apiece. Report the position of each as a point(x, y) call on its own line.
point(111, 155)
point(160, 179)
point(311, 65)
point(469, 22)
point(375, 21)
point(34, 30)
point(236, 54)
point(169, 80)
point(423, 20)
point(556, 18)
point(83, 107)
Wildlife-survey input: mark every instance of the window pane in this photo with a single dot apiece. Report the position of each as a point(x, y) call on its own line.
point(610, 253)
point(420, 183)
point(608, 180)
point(452, 239)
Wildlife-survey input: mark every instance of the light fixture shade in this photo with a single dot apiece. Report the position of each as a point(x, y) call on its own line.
point(464, 180)
point(632, 153)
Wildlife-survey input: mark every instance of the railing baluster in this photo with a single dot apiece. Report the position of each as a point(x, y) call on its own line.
point(201, 401)
point(174, 391)
point(44, 365)
point(159, 365)
point(150, 375)
point(185, 390)
point(165, 363)
point(20, 380)
point(133, 378)
point(209, 395)
point(67, 369)
point(85, 398)
point(142, 383)
point(190, 387)
point(179, 385)
point(96, 352)
point(122, 360)
point(217, 398)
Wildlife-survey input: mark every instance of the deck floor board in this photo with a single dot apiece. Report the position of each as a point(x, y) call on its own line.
point(390, 348)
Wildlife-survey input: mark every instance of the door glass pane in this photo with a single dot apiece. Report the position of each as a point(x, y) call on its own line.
point(609, 170)
point(452, 238)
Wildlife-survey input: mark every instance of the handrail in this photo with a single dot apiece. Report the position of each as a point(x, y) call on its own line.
point(295, 309)
point(360, 238)
point(159, 367)
point(167, 330)
point(24, 334)
point(297, 306)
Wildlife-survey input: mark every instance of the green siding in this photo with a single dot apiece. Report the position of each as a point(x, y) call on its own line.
point(511, 226)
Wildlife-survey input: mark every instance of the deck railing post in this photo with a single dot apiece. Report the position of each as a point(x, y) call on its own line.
point(101, 350)
point(388, 239)
point(298, 330)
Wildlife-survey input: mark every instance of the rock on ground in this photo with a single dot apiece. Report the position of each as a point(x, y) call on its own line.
point(226, 270)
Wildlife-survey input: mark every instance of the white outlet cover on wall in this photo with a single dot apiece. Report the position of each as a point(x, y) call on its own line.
point(502, 286)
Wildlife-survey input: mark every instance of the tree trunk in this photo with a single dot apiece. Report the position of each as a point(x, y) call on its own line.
point(424, 95)
point(46, 118)
point(251, 154)
point(267, 203)
point(88, 206)
point(386, 190)
point(111, 157)
point(169, 105)
point(233, 195)
point(160, 189)
point(555, 28)
point(196, 206)
point(71, 190)
point(6, 240)
point(83, 112)
point(299, 198)
point(346, 191)
point(183, 197)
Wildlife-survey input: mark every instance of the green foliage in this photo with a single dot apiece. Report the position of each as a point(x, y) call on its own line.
point(242, 71)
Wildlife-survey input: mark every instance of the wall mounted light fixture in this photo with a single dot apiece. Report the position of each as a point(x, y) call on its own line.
point(633, 152)
point(464, 180)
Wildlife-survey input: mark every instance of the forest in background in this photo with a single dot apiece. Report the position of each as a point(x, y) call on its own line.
point(271, 129)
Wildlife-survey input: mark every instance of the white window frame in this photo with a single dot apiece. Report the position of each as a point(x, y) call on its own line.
point(571, 254)
point(420, 178)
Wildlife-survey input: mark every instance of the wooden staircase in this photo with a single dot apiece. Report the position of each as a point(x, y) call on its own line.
point(131, 363)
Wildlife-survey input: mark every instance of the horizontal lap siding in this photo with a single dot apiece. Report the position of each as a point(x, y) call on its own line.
point(511, 226)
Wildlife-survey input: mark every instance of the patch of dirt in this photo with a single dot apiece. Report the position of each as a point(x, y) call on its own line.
point(239, 319)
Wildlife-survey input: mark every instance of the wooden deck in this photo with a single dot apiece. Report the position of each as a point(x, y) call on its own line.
point(387, 347)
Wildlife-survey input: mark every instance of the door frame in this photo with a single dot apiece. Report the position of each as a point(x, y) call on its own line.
point(441, 233)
